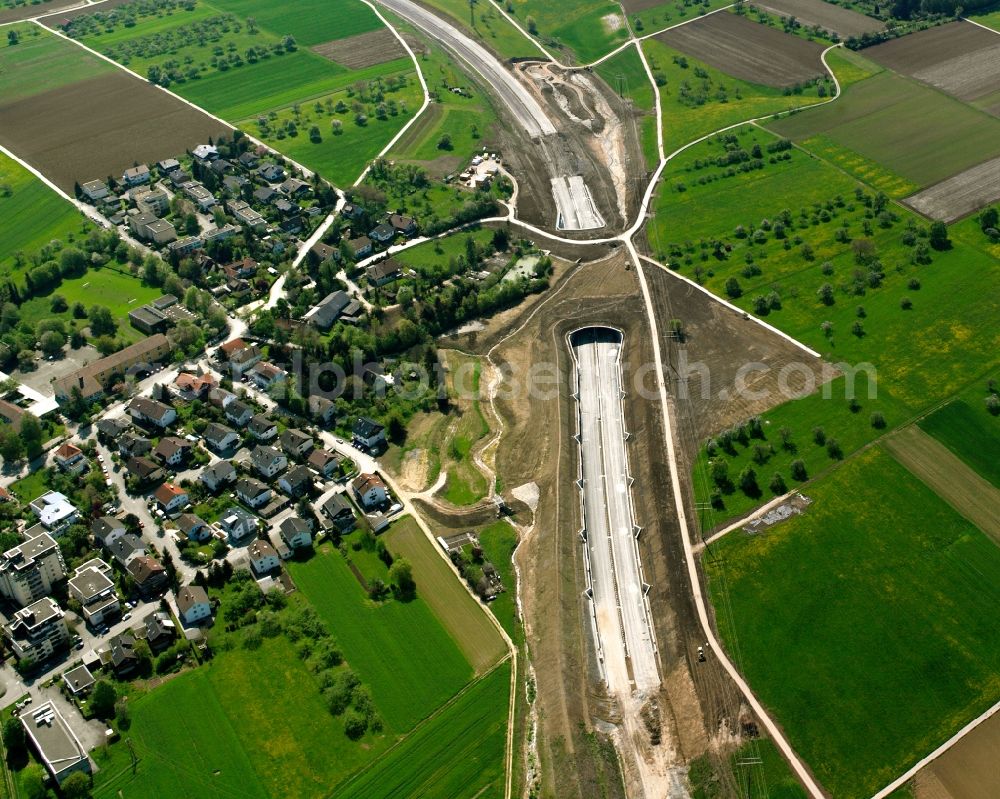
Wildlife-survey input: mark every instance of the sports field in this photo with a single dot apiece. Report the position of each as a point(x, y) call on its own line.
point(914, 131)
point(248, 723)
point(378, 639)
point(457, 754)
point(31, 215)
point(441, 589)
point(966, 428)
point(880, 595)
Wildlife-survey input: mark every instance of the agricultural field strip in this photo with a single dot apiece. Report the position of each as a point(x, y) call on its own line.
point(959, 195)
point(949, 477)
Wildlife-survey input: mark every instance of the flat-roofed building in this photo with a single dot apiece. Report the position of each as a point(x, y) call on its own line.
point(37, 631)
point(29, 570)
point(55, 742)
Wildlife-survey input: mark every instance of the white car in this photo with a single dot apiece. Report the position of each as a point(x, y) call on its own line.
point(127, 616)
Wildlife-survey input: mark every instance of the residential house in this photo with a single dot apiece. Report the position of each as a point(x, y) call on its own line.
point(322, 410)
point(91, 379)
point(144, 409)
point(30, 570)
point(234, 184)
point(263, 557)
point(227, 231)
point(127, 547)
point(171, 498)
point(37, 631)
point(383, 272)
point(190, 386)
point(192, 604)
point(95, 190)
point(198, 194)
point(293, 187)
point(79, 680)
point(54, 741)
point(220, 438)
point(221, 166)
point(121, 655)
point(352, 211)
point(54, 511)
point(145, 471)
point(218, 475)
point(132, 445)
point(152, 201)
point(194, 527)
point(239, 413)
point(178, 177)
point(272, 173)
point(382, 234)
point(110, 430)
point(106, 529)
point(265, 195)
point(249, 160)
point(340, 513)
point(360, 247)
point(268, 461)
point(252, 492)
point(265, 375)
point(296, 443)
point(237, 524)
point(149, 575)
point(168, 165)
point(136, 175)
point(246, 215)
point(263, 428)
point(405, 225)
point(205, 153)
point(324, 462)
point(243, 360)
point(185, 246)
point(297, 481)
point(172, 450)
point(159, 629)
point(296, 533)
point(91, 585)
point(328, 310)
point(70, 458)
point(369, 490)
point(283, 550)
point(368, 434)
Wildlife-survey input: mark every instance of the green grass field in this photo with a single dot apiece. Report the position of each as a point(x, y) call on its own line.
point(399, 649)
point(695, 106)
point(31, 215)
point(584, 29)
point(670, 13)
point(457, 754)
point(966, 428)
point(914, 131)
point(991, 20)
point(498, 541)
point(462, 616)
point(40, 62)
point(311, 22)
point(758, 768)
point(922, 355)
point(490, 27)
point(250, 723)
point(881, 596)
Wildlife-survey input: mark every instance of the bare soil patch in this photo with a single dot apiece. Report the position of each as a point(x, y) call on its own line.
point(949, 477)
point(362, 50)
point(748, 50)
point(101, 126)
point(842, 21)
point(968, 770)
point(33, 10)
point(58, 20)
point(959, 58)
point(961, 194)
point(632, 6)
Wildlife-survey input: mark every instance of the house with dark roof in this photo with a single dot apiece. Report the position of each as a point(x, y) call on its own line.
point(324, 462)
point(121, 655)
point(296, 443)
point(172, 450)
point(220, 438)
point(406, 225)
point(296, 533)
point(149, 575)
point(368, 433)
point(382, 234)
point(360, 247)
point(193, 606)
point(106, 529)
point(218, 475)
point(193, 527)
point(145, 471)
point(322, 410)
point(127, 547)
point(268, 461)
point(252, 492)
point(383, 272)
point(328, 310)
point(132, 445)
point(239, 413)
point(272, 173)
point(144, 409)
point(294, 187)
point(159, 630)
point(237, 523)
point(109, 430)
point(297, 481)
point(340, 513)
point(370, 490)
point(263, 428)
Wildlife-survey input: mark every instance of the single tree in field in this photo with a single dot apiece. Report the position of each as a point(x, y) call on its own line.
point(102, 699)
point(798, 469)
point(938, 236)
point(748, 482)
point(778, 486)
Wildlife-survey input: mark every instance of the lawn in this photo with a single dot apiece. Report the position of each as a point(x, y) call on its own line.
point(456, 754)
point(311, 22)
point(758, 767)
point(215, 732)
point(31, 215)
point(378, 639)
point(39, 63)
point(441, 589)
point(966, 428)
point(880, 595)
point(912, 130)
point(991, 20)
point(697, 99)
point(490, 28)
point(119, 291)
point(584, 29)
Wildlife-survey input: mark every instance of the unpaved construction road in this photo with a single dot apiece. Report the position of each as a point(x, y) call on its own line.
point(516, 98)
